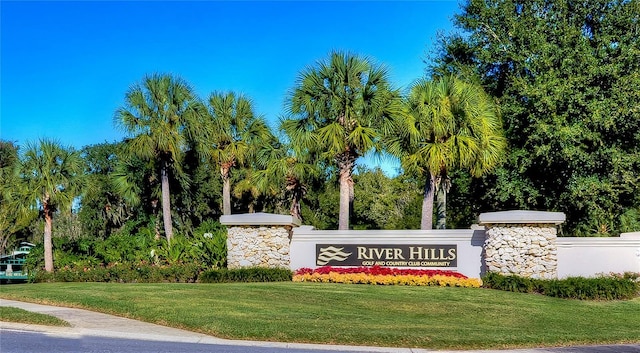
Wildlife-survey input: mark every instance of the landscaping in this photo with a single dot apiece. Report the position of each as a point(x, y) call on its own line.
point(518, 112)
point(385, 276)
point(603, 287)
point(397, 316)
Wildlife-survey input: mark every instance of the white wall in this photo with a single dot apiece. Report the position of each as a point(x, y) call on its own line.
point(586, 257)
point(592, 256)
point(576, 256)
point(469, 244)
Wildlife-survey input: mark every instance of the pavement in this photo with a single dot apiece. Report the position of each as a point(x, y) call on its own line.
point(89, 323)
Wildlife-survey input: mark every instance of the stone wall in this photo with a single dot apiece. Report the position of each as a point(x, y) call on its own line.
point(528, 250)
point(521, 243)
point(258, 239)
point(249, 246)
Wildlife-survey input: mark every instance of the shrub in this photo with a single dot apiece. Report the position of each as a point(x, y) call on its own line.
point(250, 274)
point(206, 248)
point(125, 248)
point(509, 283)
point(604, 287)
point(124, 273)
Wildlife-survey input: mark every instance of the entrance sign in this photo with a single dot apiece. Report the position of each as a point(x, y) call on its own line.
point(401, 255)
point(509, 242)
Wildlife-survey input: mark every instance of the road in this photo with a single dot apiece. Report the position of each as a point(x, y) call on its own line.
point(19, 341)
point(15, 341)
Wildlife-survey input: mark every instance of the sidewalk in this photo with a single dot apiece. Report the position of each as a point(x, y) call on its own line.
point(89, 323)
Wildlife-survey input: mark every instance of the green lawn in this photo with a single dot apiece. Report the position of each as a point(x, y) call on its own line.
point(10, 314)
point(427, 317)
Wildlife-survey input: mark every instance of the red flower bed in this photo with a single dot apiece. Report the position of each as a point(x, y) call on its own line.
point(379, 271)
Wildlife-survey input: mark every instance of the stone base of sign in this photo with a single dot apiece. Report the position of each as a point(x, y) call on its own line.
point(258, 240)
point(522, 243)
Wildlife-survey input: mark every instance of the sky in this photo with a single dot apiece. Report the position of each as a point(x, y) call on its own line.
point(66, 66)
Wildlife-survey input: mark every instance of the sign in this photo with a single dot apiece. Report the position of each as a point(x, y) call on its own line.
point(387, 255)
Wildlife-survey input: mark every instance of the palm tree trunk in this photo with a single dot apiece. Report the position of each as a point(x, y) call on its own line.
point(3, 243)
point(48, 243)
point(295, 209)
point(166, 201)
point(427, 204)
point(345, 198)
point(226, 191)
point(441, 202)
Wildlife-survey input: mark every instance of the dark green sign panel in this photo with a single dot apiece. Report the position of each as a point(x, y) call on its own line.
point(387, 255)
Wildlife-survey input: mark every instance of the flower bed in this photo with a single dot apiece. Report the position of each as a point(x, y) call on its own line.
point(385, 276)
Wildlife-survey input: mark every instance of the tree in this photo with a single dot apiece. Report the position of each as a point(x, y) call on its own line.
point(103, 209)
point(342, 107)
point(52, 176)
point(565, 74)
point(284, 167)
point(383, 202)
point(10, 220)
point(161, 114)
point(451, 124)
point(234, 132)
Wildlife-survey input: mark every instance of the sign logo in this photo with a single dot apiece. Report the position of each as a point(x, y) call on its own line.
point(330, 253)
point(387, 255)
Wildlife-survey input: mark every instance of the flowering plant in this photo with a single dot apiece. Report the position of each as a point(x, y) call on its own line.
point(385, 276)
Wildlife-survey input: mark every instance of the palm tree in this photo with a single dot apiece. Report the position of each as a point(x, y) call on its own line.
point(450, 124)
point(233, 134)
point(343, 107)
point(282, 166)
point(161, 114)
point(52, 177)
point(10, 222)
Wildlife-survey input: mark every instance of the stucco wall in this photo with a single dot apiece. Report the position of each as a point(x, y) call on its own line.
point(592, 256)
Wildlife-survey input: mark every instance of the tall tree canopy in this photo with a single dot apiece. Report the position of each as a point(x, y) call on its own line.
point(284, 167)
point(566, 74)
point(234, 134)
point(52, 178)
point(103, 208)
point(161, 114)
point(342, 107)
point(451, 124)
point(10, 185)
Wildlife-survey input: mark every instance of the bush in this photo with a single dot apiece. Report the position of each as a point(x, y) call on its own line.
point(604, 287)
point(208, 248)
point(250, 274)
point(123, 273)
point(510, 283)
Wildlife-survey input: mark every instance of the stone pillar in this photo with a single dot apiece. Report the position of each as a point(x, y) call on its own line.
point(258, 239)
point(522, 243)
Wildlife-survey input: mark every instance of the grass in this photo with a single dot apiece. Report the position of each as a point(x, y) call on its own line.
point(397, 316)
point(10, 314)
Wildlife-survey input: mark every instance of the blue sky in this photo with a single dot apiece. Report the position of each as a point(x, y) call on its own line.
point(65, 66)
